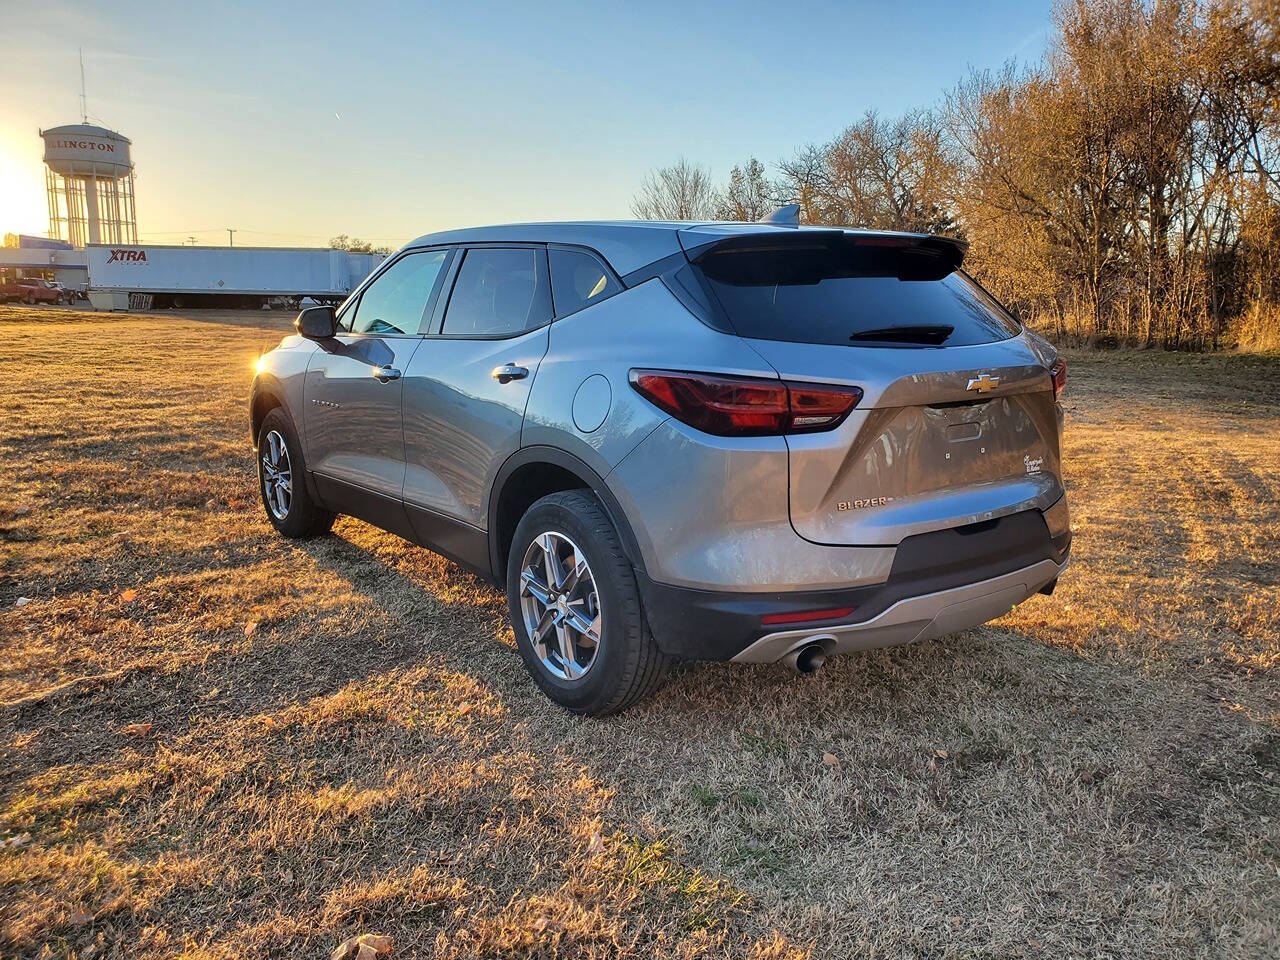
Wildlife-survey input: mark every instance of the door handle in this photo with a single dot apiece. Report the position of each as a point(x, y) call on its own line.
point(385, 373)
point(508, 372)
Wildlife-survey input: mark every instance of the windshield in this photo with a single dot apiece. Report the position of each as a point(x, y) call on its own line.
point(852, 295)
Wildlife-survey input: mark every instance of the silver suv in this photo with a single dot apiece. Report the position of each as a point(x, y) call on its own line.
point(749, 442)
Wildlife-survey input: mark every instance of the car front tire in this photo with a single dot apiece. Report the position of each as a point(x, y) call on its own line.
point(282, 481)
point(575, 608)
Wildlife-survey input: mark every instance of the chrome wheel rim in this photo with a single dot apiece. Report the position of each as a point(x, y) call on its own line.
point(277, 475)
point(560, 605)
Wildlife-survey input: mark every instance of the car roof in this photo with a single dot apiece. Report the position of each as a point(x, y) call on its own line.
point(628, 245)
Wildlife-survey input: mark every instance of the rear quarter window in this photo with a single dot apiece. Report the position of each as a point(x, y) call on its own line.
point(579, 280)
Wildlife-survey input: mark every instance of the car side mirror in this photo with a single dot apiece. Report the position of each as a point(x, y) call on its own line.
point(317, 323)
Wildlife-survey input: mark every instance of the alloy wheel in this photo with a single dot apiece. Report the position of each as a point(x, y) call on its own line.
point(561, 605)
point(277, 475)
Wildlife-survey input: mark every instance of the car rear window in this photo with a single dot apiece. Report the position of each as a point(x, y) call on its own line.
point(853, 293)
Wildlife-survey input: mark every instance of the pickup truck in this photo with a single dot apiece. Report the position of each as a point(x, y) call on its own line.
point(32, 290)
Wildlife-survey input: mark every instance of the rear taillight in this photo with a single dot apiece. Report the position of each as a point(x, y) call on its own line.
point(745, 406)
point(815, 406)
point(1059, 373)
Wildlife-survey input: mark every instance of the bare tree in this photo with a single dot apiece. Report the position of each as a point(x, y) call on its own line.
point(878, 173)
point(682, 191)
point(749, 195)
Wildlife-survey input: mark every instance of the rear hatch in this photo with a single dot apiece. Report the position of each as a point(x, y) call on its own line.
point(957, 423)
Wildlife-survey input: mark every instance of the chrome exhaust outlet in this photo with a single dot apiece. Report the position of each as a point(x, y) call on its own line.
point(809, 656)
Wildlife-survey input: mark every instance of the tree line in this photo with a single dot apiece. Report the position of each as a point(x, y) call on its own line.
point(1123, 188)
point(355, 245)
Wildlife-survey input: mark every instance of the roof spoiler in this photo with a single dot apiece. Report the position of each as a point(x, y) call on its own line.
point(908, 256)
point(936, 255)
point(947, 253)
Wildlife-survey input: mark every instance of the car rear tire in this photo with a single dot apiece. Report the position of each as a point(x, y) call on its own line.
point(570, 583)
point(282, 481)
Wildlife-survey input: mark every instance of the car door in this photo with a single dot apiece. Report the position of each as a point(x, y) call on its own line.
point(354, 386)
point(465, 392)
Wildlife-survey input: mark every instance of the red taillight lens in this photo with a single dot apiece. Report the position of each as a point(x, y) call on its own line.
point(745, 406)
point(818, 407)
point(727, 406)
point(805, 616)
point(1059, 373)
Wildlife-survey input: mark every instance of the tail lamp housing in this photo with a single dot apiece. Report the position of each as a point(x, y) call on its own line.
point(1059, 374)
point(746, 406)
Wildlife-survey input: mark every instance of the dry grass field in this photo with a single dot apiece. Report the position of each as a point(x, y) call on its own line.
point(216, 743)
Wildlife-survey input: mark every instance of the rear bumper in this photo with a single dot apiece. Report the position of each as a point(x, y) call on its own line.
point(916, 618)
point(941, 582)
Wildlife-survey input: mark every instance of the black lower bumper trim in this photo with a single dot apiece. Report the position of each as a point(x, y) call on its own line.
point(717, 625)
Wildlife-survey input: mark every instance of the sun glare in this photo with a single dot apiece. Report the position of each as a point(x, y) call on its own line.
point(22, 195)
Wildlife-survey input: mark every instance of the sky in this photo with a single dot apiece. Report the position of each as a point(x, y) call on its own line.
point(295, 122)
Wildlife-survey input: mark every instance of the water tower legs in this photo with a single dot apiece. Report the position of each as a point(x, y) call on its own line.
point(91, 201)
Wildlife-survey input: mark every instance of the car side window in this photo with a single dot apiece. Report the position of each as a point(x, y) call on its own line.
point(500, 292)
point(396, 300)
point(579, 279)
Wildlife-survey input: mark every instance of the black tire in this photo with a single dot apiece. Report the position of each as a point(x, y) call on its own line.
point(31, 300)
point(304, 517)
point(628, 666)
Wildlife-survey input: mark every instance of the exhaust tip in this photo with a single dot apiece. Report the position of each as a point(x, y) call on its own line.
point(810, 656)
point(811, 659)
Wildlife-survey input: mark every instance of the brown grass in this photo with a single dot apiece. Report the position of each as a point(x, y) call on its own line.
point(1258, 329)
point(1097, 774)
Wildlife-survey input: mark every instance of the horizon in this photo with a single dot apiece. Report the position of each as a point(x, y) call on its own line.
point(531, 116)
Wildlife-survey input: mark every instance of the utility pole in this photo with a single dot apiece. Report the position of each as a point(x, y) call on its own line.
point(193, 240)
point(231, 240)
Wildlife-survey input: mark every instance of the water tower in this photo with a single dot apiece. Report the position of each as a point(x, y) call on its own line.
point(89, 175)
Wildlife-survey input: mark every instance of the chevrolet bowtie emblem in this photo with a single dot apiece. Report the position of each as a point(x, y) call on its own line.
point(983, 384)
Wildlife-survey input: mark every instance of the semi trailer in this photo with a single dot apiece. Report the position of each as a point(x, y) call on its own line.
point(146, 276)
